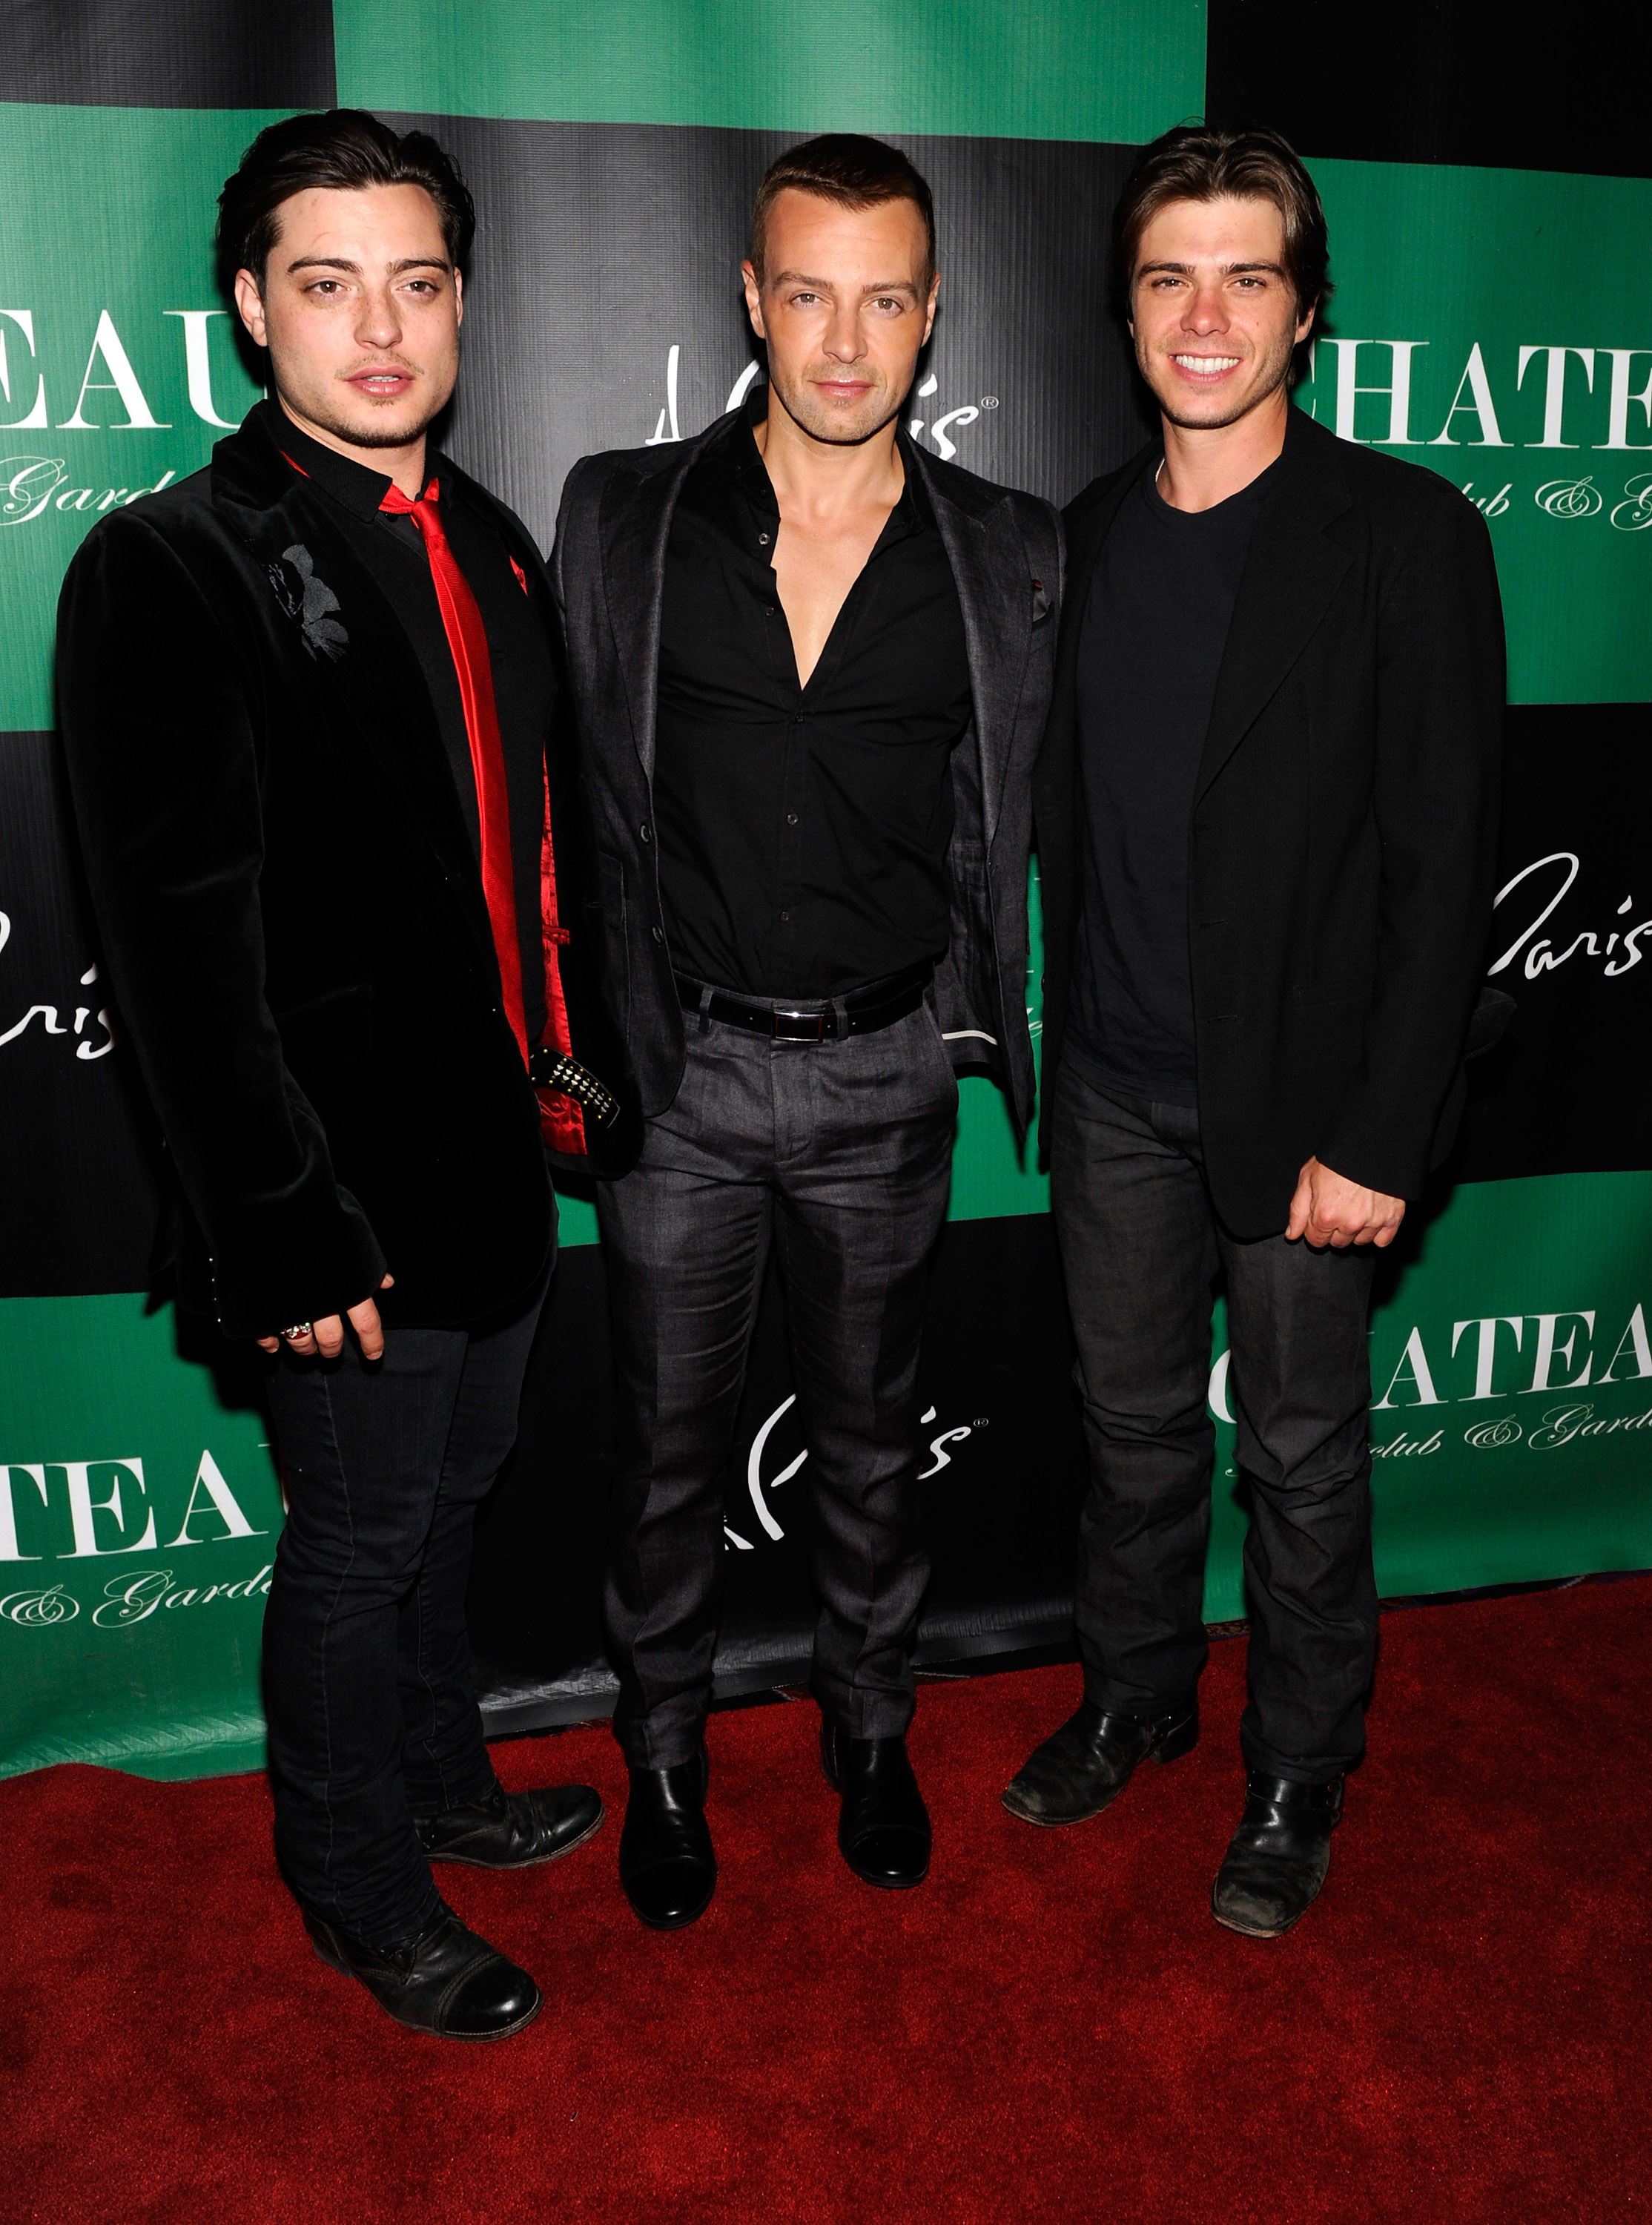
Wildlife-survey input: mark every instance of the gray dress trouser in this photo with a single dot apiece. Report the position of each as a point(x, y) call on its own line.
point(840, 1153)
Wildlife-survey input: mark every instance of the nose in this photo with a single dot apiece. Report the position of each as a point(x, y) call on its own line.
point(378, 325)
point(1206, 312)
point(845, 340)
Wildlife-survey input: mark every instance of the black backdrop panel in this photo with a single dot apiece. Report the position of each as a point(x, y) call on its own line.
point(82, 1190)
point(1002, 1482)
point(1568, 1090)
point(1470, 81)
point(169, 54)
point(605, 247)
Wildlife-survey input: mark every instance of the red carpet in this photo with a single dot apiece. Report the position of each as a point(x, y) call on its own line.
point(1052, 2029)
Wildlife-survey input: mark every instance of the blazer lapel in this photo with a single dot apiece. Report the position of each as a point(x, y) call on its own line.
point(637, 508)
point(1291, 574)
point(995, 595)
point(342, 621)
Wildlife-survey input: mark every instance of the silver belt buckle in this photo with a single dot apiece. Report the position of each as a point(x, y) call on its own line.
point(817, 1019)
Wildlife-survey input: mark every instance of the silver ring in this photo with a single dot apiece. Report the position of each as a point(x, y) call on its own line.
point(298, 1328)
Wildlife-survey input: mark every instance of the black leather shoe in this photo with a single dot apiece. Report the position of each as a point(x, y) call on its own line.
point(443, 1980)
point(1088, 1762)
point(1279, 1855)
point(666, 1861)
point(513, 1830)
point(883, 1826)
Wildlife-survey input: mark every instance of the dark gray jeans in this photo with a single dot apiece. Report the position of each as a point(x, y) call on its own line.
point(840, 1153)
point(1140, 1247)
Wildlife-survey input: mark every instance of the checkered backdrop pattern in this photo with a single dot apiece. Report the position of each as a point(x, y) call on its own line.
point(1481, 229)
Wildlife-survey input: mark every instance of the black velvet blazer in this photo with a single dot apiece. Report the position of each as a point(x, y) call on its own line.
point(1343, 837)
point(292, 913)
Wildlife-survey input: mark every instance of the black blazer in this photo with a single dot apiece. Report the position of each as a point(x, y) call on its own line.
point(609, 568)
point(1342, 849)
point(291, 909)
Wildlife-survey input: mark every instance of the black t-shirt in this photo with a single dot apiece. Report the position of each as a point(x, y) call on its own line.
point(803, 832)
point(1151, 645)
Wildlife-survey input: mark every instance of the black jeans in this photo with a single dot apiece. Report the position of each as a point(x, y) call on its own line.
point(367, 1673)
point(841, 1153)
point(1140, 1246)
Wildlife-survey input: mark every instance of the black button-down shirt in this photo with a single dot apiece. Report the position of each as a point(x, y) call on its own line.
point(519, 654)
point(803, 832)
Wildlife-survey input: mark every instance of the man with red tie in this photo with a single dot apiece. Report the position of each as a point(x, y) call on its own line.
point(309, 700)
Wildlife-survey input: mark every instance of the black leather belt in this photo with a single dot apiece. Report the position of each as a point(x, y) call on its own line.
point(863, 1013)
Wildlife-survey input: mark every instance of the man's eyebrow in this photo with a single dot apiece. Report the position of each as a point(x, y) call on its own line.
point(343, 262)
point(1227, 270)
point(802, 278)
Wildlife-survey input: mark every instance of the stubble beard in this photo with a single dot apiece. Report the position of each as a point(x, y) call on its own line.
point(1275, 373)
point(375, 430)
point(833, 426)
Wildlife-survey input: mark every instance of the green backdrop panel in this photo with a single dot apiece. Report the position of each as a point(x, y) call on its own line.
point(1047, 69)
point(1511, 1379)
point(139, 1510)
point(117, 369)
point(1482, 324)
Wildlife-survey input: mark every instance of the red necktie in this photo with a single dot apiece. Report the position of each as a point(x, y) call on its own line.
point(467, 640)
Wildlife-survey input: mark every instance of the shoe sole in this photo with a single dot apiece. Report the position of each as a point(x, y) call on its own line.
point(534, 1862)
point(471, 2038)
point(884, 1884)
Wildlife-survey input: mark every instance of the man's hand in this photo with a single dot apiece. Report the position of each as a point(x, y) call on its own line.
point(1328, 1210)
point(327, 1336)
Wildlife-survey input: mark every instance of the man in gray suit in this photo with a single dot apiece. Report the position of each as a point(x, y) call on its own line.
point(811, 664)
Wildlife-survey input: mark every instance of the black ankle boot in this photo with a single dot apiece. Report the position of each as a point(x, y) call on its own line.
point(442, 1979)
point(666, 1861)
point(512, 1830)
point(1278, 1857)
point(1089, 1761)
point(883, 1824)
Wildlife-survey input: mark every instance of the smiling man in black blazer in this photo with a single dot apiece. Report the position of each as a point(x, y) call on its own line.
point(1267, 814)
point(308, 699)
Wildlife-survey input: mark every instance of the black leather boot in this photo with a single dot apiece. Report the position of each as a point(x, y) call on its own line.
point(1278, 1857)
point(882, 1825)
point(666, 1861)
point(443, 1979)
point(1088, 1762)
point(512, 1830)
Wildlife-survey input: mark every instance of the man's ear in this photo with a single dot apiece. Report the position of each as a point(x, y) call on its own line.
point(754, 298)
point(458, 295)
point(934, 303)
point(250, 303)
point(1305, 322)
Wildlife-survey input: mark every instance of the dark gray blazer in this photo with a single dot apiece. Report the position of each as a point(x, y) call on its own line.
point(1340, 861)
point(609, 570)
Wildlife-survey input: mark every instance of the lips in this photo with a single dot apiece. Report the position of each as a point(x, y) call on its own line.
point(380, 385)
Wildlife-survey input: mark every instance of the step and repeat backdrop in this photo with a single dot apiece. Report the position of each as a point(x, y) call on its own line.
point(1484, 327)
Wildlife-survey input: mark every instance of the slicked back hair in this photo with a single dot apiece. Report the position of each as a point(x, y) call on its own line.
point(341, 150)
point(854, 172)
point(1195, 163)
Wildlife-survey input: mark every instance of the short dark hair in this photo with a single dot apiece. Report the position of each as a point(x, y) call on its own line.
point(1196, 162)
point(342, 150)
point(855, 172)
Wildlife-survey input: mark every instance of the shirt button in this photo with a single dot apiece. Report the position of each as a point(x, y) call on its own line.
point(791, 819)
point(786, 915)
point(658, 932)
point(768, 610)
point(646, 832)
point(763, 541)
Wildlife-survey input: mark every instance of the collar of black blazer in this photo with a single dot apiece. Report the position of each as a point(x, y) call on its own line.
point(977, 525)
